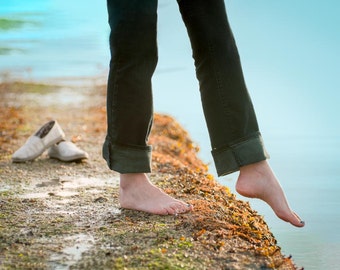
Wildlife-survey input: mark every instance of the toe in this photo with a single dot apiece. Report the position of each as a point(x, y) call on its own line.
point(297, 221)
point(182, 207)
point(186, 208)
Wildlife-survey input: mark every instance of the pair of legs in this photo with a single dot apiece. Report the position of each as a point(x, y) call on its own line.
point(230, 117)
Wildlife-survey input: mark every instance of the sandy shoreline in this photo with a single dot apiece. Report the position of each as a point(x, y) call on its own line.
point(66, 215)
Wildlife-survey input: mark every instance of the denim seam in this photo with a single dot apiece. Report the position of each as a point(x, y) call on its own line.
point(115, 108)
point(230, 159)
point(136, 149)
point(238, 161)
point(117, 165)
point(245, 139)
point(219, 84)
point(239, 141)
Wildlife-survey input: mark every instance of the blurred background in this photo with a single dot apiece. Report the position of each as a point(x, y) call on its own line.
point(290, 56)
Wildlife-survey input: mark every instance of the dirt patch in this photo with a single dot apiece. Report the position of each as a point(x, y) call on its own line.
point(57, 215)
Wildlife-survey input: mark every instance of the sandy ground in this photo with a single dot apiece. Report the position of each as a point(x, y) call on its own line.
point(57, 215)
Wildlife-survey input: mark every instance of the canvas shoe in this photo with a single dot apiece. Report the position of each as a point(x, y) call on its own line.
point(48, 135)
point(66, 151)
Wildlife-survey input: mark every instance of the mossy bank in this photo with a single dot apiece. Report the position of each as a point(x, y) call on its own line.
point(57, 215)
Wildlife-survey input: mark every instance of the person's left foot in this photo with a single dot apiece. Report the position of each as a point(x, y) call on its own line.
point(138, 193)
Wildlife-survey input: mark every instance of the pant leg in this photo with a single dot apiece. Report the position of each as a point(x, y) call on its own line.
point(229, 113)
point(133, 48)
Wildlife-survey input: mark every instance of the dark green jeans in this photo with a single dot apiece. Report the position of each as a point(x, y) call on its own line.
point(229, 113)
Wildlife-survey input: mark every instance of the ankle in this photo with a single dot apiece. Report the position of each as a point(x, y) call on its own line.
point(245, 187)
point(130, 179)
point(252, 178)
point(255, 168)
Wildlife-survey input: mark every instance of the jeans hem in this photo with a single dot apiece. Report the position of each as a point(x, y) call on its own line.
point(230, 159)
point(127, 159)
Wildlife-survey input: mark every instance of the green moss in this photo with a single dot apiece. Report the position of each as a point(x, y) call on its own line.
point(25, 260)
point(155, 259)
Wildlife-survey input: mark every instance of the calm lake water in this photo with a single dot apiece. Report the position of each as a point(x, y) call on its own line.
point(49, 39)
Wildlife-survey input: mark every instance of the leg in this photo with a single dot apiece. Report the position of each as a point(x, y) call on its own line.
point(129, 94)
point(230, 116)
point(228, 110)
point(129, 105)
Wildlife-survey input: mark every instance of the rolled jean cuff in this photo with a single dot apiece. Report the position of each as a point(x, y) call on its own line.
point(230, 159)
point(127, 159)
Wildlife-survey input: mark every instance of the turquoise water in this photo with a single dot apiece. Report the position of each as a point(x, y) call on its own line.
point(57, 39)
point(53, 39)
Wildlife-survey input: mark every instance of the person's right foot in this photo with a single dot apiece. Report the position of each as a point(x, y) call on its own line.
point(258, 181)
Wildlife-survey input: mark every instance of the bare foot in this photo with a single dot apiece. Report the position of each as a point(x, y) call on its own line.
point(138, 193)
point(258, 181)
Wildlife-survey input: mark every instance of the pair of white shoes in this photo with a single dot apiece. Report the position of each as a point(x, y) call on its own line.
point(50, 136)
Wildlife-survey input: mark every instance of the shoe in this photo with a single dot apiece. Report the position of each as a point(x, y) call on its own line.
point(66, 151)
point(48, 135)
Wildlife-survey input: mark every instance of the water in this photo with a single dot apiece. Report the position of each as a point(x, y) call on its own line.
point(57, 39)
point(69, 39)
